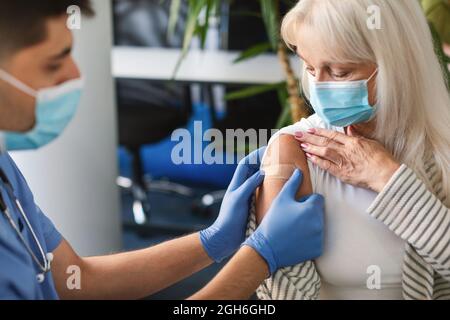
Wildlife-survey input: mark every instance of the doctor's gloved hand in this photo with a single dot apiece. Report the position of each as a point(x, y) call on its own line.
point(227, 233)
point(292, 231)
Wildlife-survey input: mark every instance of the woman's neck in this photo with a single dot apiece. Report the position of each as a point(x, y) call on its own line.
point(365, 130)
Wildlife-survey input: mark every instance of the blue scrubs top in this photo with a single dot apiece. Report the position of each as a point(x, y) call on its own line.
point(17, 269)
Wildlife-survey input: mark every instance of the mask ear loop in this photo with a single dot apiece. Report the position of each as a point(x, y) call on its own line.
point(372, 76)
point(375, 107)
point(17, 83)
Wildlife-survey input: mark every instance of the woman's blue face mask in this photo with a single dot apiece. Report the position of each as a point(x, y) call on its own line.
point(341, 104)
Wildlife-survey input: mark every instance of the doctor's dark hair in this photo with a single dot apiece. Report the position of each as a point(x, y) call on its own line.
point(22, 22)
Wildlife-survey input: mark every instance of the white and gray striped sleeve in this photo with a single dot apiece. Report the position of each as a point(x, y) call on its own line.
point(418, 216)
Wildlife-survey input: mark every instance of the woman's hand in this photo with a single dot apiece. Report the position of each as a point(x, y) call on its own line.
point(353, 159)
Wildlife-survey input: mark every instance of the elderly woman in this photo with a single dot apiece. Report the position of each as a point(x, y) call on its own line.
point(378, 149)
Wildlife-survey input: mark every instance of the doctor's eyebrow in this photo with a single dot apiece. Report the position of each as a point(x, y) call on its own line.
point(67, 51)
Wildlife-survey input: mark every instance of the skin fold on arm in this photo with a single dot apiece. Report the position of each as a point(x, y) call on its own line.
point(283, 156)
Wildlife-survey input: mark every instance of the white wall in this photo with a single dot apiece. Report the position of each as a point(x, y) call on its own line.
point(73, 179)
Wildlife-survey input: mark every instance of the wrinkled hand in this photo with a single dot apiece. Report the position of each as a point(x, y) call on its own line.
point(292, 231)
point(353, 159)
point(227, 233)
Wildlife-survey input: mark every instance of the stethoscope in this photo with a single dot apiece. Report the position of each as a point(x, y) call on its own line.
point(44, 266)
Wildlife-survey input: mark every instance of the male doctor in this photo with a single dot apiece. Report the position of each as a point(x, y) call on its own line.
point(39, 93)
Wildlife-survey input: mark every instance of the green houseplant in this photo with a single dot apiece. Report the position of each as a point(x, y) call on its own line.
point(293, 106)
point(438, 15)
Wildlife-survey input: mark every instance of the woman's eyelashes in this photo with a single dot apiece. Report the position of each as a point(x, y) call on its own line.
point(311, 71)
point(341, 76)
point(331, 74)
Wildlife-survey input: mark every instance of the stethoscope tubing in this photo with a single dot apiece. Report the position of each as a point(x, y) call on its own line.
point(45, 266)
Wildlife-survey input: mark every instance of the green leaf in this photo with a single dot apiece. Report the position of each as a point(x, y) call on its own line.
point(446, 59)
point(438, 13)
point(175, 6)
point(203, 29)
point(253, 91)
point(443, 58)
point(286, 114)
point(270, 15)
point(253, 52)
point(285, 118)
point(195, 8)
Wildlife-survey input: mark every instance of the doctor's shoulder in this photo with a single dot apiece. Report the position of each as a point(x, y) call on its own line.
point(15, 176)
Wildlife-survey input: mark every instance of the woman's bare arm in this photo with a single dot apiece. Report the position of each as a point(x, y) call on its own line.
point(283, 156)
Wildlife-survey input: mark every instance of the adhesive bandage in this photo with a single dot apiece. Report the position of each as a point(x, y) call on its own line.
point(278, 171)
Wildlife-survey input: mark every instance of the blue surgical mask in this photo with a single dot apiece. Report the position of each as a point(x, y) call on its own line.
point(341, 104)
point(55, 108)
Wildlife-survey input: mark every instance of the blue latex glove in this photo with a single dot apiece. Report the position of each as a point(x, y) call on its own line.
point(227, 233)
point(292, 231)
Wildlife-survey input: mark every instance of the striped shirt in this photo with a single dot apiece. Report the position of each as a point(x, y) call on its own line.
point(415, 214)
